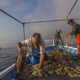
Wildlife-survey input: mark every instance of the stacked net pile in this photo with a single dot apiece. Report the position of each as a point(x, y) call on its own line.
point(57, 62)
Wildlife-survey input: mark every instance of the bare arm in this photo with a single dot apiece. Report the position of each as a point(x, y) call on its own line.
point(22, 44)
point(19, 47)
point(41, 59)
point(18, 66)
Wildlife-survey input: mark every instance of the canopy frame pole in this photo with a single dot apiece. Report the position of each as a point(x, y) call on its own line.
point(24, 31)
point(71, 9)
point(10, 16)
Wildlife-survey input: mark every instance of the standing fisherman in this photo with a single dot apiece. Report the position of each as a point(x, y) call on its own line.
point(35, 45)
point(75, 32)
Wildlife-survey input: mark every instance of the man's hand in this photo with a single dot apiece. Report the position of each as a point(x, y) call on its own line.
point(19, 47)
point(41, 60)
point(21, 50)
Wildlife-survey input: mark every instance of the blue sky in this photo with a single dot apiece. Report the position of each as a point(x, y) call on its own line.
point(31, 10)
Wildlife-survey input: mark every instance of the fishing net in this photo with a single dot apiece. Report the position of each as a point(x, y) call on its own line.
point(57, 62)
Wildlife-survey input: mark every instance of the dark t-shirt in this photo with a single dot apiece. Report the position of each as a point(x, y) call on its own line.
point(75, 30)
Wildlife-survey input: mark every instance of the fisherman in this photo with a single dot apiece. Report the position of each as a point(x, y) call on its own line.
point(58, 38)
point(35, 45)
point(75, 32)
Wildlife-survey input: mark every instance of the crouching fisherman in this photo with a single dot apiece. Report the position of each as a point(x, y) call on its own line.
point(35, 45)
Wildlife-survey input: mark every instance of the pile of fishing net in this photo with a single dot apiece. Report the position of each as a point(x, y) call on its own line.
point(56, 62)
point(25, 74)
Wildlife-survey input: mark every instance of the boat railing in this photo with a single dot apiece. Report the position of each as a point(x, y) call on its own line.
point(7, 71)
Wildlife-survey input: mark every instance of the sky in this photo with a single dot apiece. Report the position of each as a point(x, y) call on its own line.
point(34, 10)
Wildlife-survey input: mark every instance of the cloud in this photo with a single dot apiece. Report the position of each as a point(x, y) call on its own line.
point(76, 11)
point(50, 9)
point(42, 11)
point(63, 7)
point(47, 10)
point(4, 3)
point(20, 8)
point(47, 30)
point(33, 10)
point(10, 31)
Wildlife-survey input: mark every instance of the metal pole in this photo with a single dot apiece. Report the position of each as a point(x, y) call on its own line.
point(55, 20)
point(24, 31)
point(10, 16)
point(71, 9)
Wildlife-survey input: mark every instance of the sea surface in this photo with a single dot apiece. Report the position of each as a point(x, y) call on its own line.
point(7, 57)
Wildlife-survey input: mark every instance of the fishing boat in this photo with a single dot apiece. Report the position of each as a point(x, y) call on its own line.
point(10, 72)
